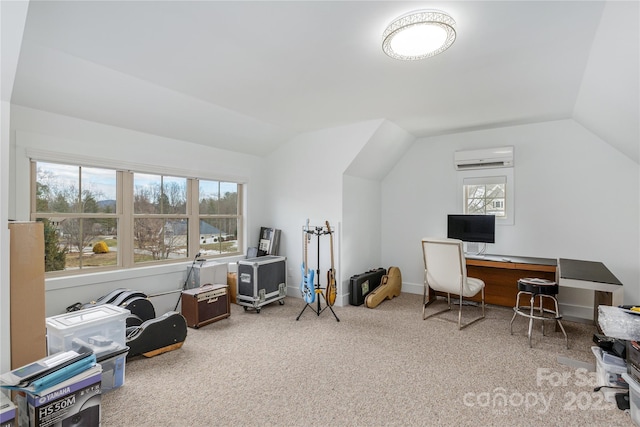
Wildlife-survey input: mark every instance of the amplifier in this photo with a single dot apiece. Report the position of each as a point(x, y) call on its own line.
point(206, 304)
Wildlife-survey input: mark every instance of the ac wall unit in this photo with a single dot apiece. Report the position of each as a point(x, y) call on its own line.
point(501, 157)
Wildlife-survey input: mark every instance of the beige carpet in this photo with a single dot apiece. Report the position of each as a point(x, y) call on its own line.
point(382, 366)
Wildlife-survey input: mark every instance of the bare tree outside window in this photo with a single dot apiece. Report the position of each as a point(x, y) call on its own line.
point(163, 218)
point(160, 225)
point(219, 217)
point(485, 196)
point(485, 199)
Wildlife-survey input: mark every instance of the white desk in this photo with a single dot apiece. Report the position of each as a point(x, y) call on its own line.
point(591, 275)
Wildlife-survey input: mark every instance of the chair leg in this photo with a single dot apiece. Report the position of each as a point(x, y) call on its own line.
point(426, 302)
point(460, 325)
point(531, 308)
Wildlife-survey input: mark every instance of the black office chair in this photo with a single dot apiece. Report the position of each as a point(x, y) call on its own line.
point(542, 289)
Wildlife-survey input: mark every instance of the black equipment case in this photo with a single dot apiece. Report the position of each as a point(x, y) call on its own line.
point(361, 284)
point(261, 281)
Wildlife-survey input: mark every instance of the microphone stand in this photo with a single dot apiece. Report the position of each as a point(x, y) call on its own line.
point(184, 287)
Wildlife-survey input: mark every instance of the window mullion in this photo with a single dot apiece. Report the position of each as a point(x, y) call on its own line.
point(125, 203)
point(193, 211)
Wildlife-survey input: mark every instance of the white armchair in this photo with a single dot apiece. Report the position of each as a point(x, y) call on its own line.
point(445, 270)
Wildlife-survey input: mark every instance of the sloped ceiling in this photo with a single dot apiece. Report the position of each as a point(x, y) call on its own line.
point(608, 103)
point(247, 76)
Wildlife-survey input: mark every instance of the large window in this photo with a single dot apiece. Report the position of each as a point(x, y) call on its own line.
point(161, 224)
point(97, 218)
point(219, 218)
point(78, 206)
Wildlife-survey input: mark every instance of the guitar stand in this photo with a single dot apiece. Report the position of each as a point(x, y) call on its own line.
point(319, 231)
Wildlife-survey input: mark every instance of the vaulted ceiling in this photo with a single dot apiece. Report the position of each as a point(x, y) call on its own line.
point(247, 76)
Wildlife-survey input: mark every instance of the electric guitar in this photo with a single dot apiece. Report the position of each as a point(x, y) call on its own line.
point(331, 274)
point(307, 285)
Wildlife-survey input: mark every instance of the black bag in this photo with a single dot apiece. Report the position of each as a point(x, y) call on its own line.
point(361, 284)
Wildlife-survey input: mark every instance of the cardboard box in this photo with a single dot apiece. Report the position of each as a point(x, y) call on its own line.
point(28, 341)
point(232, 282)
point(74, 402)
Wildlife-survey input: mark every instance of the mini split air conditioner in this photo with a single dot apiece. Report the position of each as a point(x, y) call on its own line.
point(501, 157)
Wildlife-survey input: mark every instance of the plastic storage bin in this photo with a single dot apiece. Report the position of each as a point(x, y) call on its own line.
point(634, 398)
point(609, 375)
point(113, 365)
point(101, 327)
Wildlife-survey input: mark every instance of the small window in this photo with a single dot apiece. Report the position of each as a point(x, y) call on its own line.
point(488, 192)
point(485, 196)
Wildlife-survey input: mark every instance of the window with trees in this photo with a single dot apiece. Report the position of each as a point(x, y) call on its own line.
point(160, 221)
point(488, 192)
point(485, 196)
point(102, 218)
point(219, 218)
point(78, 208)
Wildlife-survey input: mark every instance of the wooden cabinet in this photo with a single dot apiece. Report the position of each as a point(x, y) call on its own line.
point(27, 302)
point(501, 277)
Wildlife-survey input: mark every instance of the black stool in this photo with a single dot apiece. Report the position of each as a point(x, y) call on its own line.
point(540, 288)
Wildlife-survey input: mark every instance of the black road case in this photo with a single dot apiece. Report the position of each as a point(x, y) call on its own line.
point(261, 281)
point(361, 284)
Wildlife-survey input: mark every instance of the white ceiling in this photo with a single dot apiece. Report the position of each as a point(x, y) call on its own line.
point(247, 76)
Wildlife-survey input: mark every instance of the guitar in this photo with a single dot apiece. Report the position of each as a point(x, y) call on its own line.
point(306, 285)
point(331, 274)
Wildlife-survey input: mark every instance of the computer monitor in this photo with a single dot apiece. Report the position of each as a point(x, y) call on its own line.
point(472, 228)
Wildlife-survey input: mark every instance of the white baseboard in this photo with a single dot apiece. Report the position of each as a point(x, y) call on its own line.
point(570, 312)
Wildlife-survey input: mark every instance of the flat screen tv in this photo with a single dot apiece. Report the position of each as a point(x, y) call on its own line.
point(472, 228)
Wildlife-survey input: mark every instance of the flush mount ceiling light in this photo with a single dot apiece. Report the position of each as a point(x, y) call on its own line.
point(420, 34)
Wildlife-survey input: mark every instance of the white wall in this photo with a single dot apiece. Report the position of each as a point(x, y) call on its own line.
point(333, 174)
point(305, 177)
point(41, 132)
point(362, 223)
point(608, 103)
point(13, 17)
point(575, 197)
